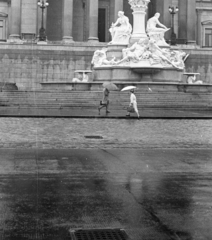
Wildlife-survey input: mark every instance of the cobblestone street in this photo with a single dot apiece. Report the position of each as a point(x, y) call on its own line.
point(59, 133)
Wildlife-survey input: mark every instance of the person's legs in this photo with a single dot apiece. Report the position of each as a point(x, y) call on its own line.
point(107, 106)
point(128, 114)
point(136, 109)
point(137, 114)
point(101, 106)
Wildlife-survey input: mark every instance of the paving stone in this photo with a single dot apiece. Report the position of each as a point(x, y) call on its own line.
point(68, 133)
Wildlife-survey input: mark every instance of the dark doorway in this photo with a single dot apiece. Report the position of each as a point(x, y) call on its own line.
point(101, 24)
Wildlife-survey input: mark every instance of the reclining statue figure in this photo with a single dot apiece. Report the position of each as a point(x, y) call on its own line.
point(120, 30)
point(136, 52)
point(100, 58)
point(156, 33)
point(147, 49)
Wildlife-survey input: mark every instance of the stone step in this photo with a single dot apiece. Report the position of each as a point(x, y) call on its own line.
point(91, 99)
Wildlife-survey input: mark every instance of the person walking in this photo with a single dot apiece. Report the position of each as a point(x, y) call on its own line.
point(133, 103)
point(105, 101)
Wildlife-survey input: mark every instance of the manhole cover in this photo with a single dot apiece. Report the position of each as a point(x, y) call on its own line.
point(99, 234)
point(94, 136)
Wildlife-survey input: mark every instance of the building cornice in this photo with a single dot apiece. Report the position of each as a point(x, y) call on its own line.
point(204, 8)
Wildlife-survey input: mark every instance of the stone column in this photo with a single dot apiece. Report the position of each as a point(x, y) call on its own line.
point(28, 20)
point(182, 14)
point(93, 20)
point(139, 11)
point(187, 20)
point(191, 21)
point(15, 25)
point(199, 28)
point(67, 21)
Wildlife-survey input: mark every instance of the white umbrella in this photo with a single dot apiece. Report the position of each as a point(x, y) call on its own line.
point(128, 88)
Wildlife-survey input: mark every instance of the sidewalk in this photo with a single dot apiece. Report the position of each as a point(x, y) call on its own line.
point(82, 112)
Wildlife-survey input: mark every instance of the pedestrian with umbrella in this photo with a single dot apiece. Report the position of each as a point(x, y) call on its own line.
point(107, 87)
point(133, 102)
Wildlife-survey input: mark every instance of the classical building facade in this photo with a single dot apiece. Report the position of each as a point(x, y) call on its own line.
point(89, 20)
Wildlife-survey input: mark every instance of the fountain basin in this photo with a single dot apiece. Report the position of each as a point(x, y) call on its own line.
point(137, 74)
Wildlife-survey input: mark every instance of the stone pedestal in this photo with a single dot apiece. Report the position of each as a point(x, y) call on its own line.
point(139, 11)
point(137, 74)
point(67, 40)
point(15, 38)
point(8, 86)
point(41, 42)
point(115, 50)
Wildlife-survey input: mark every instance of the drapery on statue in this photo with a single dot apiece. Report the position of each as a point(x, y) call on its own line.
point(147, 49)
point(100, 58)
point(160, 55)
point(156, 33)
point(136, 52)
point(120, 30)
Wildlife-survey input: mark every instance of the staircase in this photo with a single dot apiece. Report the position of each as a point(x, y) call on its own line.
point(85, 103)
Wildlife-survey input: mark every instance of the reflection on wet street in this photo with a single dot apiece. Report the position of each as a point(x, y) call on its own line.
point(152, 193)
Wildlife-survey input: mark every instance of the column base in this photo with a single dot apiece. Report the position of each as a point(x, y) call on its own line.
point(41, 42)
point(67, 40)
point(14, 38)
point(191, 42)
point(93, 39)
point(136, 37)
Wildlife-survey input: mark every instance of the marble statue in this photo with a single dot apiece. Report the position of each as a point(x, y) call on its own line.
point(120, 30)
point(160, 55)
point(155, 32)
point(192, 80)
point(100, 58)
point(136, 52)
point(178, 58)
point(147, 49)
point(81, 77)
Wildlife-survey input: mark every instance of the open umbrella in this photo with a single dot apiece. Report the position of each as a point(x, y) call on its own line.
point(110, 86)
point(128, 88)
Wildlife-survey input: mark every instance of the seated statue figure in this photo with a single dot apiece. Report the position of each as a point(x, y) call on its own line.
point(120, 30)
point(156, 33)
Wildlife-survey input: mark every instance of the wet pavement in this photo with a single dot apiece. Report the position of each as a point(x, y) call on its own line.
point(149, 177)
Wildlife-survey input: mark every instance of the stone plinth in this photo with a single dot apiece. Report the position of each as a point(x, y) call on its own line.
point(115, 50)
point(139, 8)
point(137, 74)
point(8, 86)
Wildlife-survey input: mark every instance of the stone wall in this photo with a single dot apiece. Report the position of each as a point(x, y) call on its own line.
point(200, 61)
point(29, 65)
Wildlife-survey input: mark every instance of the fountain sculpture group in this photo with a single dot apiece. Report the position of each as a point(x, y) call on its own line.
point(138, 54)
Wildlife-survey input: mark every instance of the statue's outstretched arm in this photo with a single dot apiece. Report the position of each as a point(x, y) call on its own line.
point(160, 24)
point(116, 23)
